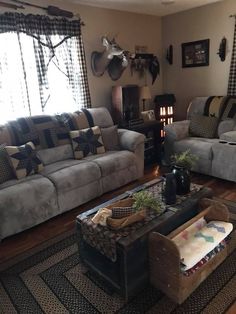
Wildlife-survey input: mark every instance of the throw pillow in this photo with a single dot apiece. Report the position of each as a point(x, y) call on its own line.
point(24, 160)
point(203, 126)
point(5, 167)
point(87, 142)
point(110, 138)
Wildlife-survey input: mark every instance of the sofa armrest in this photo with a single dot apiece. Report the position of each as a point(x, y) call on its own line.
point(134, 142)
point(228, 136)
point(174, 132)
point(177, 130)
point(130, 140)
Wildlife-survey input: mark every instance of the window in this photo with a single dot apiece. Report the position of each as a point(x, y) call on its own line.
point(41, 74)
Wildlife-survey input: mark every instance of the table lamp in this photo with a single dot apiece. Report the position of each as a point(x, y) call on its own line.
point(145, 95)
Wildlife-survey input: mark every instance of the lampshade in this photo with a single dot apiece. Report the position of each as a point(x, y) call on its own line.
point(145, 93)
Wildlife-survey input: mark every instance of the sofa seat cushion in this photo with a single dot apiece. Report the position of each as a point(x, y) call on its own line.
point(25, 203)
point(70, 174)
point(113, 161)
point(201, 147)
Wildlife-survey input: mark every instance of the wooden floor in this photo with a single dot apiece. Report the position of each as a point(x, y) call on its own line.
point(26, 240)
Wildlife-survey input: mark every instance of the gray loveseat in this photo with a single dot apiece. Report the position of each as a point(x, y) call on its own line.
point(217, 155)
point(64, 183)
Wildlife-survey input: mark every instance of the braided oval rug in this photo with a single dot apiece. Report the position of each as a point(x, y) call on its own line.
point(51, 279)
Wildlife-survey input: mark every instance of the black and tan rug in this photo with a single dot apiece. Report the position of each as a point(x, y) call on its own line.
point(51, 279)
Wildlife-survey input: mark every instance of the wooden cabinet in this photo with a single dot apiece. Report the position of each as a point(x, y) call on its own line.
point(153, 142)
point(125, 103)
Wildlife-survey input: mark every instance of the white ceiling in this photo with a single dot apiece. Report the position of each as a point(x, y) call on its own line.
point(153, 7)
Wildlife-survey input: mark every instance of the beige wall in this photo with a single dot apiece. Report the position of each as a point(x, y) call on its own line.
point(213, 22)
point(130, 29)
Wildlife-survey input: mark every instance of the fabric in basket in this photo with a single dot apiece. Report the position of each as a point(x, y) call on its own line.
point(186, 234)
point(206, 258)
point(87, 142)
point(24, 160)
point(202, 242)
point(121, 212)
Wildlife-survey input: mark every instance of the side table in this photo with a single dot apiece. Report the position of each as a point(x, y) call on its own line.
point(153, 142)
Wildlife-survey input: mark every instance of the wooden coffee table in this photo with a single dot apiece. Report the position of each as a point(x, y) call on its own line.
point(129, 273)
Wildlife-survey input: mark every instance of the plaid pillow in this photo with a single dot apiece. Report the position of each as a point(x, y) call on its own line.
point(121, 212)
point(87, 142)
point(24, 160)
point(5, 167)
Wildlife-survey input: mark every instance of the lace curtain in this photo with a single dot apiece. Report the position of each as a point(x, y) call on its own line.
point(42, 66)
point(232, 74)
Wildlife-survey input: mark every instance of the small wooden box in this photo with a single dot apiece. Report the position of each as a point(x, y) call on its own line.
point(165, 261)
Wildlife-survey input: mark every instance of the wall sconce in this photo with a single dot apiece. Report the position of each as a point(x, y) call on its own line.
point(144, 95)
point(169, 54)
point(222, 49)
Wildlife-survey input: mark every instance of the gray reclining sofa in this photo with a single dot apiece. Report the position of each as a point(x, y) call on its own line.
point(217, 153)
point(65, 182)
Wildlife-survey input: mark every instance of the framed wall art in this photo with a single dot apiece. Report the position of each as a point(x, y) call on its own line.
point(195, 53)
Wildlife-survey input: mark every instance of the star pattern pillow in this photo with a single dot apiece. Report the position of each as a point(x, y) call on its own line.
point(87, 142)
point(24, 160)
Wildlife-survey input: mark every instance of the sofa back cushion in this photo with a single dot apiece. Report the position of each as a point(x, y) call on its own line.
point(229, 111)
point(196, 106)
point(110, 138)
point(51, 155)
point(226, 126)
point(203, 126)
point(101, 117)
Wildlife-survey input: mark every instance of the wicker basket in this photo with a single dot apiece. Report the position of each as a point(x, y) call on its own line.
point(118, 223)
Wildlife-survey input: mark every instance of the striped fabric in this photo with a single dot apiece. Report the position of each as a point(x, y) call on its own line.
point(78, 120)
point(213, 106)
point(222, 107)
point(229, 110)
point(232, 73)
point(45, 131)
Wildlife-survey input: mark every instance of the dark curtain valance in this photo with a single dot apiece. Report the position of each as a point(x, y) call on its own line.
point(38, 25)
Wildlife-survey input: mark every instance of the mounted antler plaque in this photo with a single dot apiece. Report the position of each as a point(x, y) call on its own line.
point(112, 58)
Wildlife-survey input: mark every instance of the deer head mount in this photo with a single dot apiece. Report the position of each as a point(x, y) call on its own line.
point(113, 58)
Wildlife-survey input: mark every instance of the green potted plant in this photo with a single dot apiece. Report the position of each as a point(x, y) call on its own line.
point(145, 200)
point(182, 163)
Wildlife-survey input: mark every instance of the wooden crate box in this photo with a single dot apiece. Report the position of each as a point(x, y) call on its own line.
point(165, 261)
